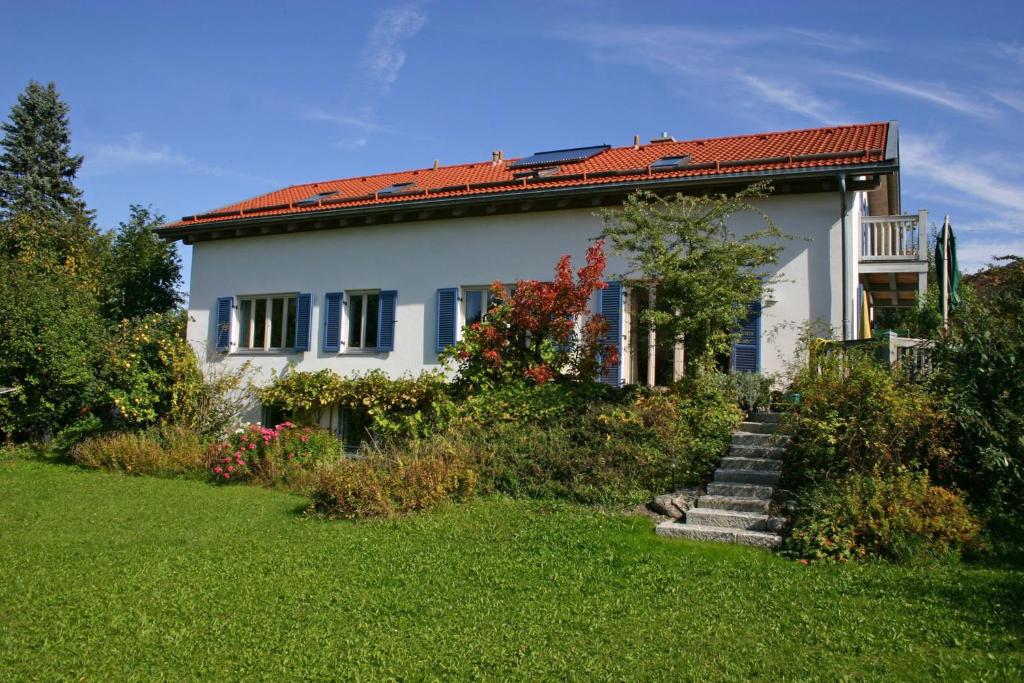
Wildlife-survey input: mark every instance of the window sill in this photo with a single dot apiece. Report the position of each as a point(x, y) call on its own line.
point(362, 352)
point(264, 352)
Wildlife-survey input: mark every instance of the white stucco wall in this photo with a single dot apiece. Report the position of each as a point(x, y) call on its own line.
point(418, 258)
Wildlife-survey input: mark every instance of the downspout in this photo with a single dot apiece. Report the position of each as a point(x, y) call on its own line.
point(842, 237)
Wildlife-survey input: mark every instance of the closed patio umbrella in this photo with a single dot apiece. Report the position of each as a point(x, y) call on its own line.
point(947, 271)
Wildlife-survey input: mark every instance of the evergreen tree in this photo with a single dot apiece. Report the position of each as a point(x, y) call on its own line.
point(145, 270)
point(37, 169)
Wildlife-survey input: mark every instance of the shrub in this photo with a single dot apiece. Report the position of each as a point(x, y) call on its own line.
point(618, 448)
point(855, 415)
point(540, 332)
point(150, 370)
point(283, 454)
point(898, 515)
point(217, 402)
point(162, 450)
point(386, 483)
point(526, 402)
point(753, 390)
point(396, 408)
point(977, 376)
point(51, 337)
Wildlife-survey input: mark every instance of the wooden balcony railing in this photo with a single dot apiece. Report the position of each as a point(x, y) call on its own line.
point(894, 238)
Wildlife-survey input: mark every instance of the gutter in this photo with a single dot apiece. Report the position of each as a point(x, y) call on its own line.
point(181, 231)
point(842, 238)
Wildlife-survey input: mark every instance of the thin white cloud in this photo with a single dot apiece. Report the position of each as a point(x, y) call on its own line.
point(975, 252)
point(1012, 100)
point(935, 93)
point(991, 200)
point(834, 41)
point(731, 61)
point(362, 120)
point(351, 143)
point(383, 56)
point(792, 97)
point(1011, 50)
point(930, 159)
point(132, 152)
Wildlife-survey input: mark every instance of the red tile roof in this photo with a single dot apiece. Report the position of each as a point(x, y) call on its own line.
point(797, 149)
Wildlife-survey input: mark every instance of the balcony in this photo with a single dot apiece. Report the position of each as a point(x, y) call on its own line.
point(894, 238)
point(894, 258)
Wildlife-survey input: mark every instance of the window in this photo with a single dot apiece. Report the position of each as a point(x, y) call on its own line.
point(267, 322)
point(476, 301)
point(398, 188)
point(669, 163)
point(363, 311)
point(320, 196)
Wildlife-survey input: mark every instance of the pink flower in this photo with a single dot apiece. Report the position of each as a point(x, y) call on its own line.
point(241, 463)
point(305, 438)
point(217, 470)
point(231, 468)
point(227, 476)
point(252, 447)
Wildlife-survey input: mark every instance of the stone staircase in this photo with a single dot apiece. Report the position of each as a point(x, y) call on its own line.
point(736, 508)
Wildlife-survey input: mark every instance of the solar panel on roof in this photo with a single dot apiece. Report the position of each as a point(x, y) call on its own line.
point(315, 198)
point(559, 156)
point(671, 162)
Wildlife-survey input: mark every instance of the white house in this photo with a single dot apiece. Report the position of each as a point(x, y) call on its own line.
point(382, 271)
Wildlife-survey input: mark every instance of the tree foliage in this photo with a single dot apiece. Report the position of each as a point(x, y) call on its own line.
point(145, 270)
point(539, 332)
point(977, 373)
point(705, 273)
point(64, 286)
point(37, 168)
point(50, 349)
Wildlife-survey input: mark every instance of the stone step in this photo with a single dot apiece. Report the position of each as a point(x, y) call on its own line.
point(752, 439)
point(727, 476)
point(696, 532)
point(735, 490)
point(761, 416)
point(727, 518)
point(734, 503)
point(734, 462)
point(757, 451)
point(758, 427)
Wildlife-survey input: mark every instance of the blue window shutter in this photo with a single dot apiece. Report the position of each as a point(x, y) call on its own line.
point(332, 322)
point(611, 311)
point(447, 315)
point(386, 320)
point(222, 322)
point(746, 351)
point(303, 321)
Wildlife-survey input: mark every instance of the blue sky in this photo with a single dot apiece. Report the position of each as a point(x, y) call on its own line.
point(187, 106)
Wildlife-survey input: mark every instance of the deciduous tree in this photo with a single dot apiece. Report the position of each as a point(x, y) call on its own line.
point(704, 272)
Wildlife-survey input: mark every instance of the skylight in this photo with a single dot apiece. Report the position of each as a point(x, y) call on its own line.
point(666, 163)
point(308, 201)
point(398, 188)
point(559, 156)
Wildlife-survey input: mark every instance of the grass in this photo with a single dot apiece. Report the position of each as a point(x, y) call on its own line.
point(107, 577)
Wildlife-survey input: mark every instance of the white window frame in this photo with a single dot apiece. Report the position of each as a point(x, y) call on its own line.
point(464, 291)
point(268, 316)
point(364, 294)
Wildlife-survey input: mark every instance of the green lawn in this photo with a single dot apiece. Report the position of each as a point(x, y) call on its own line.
point(106, 577)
